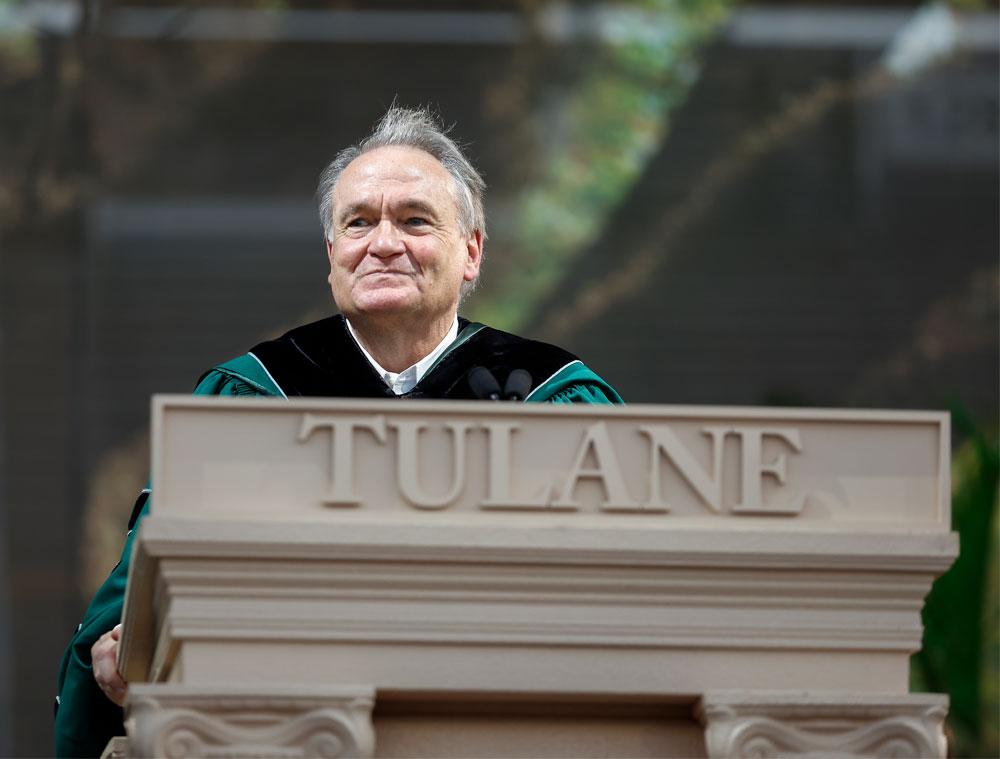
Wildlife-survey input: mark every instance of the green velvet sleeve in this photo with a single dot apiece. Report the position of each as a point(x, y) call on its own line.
point(583, 393)
point(574, 383)
point(85, 718)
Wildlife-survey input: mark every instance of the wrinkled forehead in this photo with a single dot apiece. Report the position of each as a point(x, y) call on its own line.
point(395, 169)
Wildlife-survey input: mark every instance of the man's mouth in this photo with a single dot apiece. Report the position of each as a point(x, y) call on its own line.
point(381, 272)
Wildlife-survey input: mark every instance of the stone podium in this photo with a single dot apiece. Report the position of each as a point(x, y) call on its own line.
point(377, 578)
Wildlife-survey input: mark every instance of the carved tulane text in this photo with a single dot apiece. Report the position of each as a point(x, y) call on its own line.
point(498, 493)
point(595, 458)
point(662, 440)
point(342, 428)
point(408, 464)
point(754, 470)
point(596, 441)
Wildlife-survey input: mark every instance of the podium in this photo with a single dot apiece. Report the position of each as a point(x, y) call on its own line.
point(376, 578)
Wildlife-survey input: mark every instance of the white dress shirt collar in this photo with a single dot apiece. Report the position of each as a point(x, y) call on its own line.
point(406, 380)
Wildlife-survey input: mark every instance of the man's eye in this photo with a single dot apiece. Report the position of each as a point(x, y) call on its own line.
point(356, 223)
point(417, 221)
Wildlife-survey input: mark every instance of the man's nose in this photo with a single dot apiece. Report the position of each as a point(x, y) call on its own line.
point(386, 240)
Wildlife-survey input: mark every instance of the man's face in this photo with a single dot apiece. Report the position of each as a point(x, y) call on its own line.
point(398, 248)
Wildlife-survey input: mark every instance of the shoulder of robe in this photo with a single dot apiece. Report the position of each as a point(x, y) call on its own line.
point(243, 375)
point(557, 375)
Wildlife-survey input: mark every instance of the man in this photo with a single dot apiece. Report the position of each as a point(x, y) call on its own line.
point(403, 217)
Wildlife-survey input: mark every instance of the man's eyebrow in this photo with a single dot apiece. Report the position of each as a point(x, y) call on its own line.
point(415, 204)
point(409, 204)
point(352, 210)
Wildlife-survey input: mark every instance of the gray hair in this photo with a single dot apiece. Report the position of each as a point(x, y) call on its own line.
point(412, 128)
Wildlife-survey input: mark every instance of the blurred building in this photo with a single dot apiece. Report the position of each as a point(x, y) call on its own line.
point(713, 203)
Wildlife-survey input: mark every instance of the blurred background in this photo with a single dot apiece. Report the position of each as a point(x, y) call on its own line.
point(712, 202)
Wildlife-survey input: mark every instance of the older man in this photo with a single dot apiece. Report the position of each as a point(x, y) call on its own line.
point(404, 222)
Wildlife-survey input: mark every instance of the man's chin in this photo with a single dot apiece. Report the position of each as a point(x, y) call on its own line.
point(386, 303)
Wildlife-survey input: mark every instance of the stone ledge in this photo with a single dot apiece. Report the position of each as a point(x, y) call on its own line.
point(769, 724)
point(170, 720)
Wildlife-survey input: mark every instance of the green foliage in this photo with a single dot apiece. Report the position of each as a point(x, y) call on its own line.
point(615, 119)
point(960, 648)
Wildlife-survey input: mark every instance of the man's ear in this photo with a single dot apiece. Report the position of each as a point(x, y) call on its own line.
point(474, 250)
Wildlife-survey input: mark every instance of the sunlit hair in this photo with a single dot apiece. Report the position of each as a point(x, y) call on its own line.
point(413, 128)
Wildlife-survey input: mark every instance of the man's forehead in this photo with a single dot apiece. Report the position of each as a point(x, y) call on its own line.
point(410, 169)
point(398, 163)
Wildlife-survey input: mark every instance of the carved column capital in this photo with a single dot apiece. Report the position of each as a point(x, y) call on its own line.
point(822, 725)
point(190, 721)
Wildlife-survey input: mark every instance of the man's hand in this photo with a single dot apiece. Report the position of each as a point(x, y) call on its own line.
point(104, 658)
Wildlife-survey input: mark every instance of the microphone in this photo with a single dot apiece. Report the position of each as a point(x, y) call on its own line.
point(484, 385)
point(517, 386)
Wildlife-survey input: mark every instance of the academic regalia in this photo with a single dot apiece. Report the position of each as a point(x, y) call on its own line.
point(321, 359)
